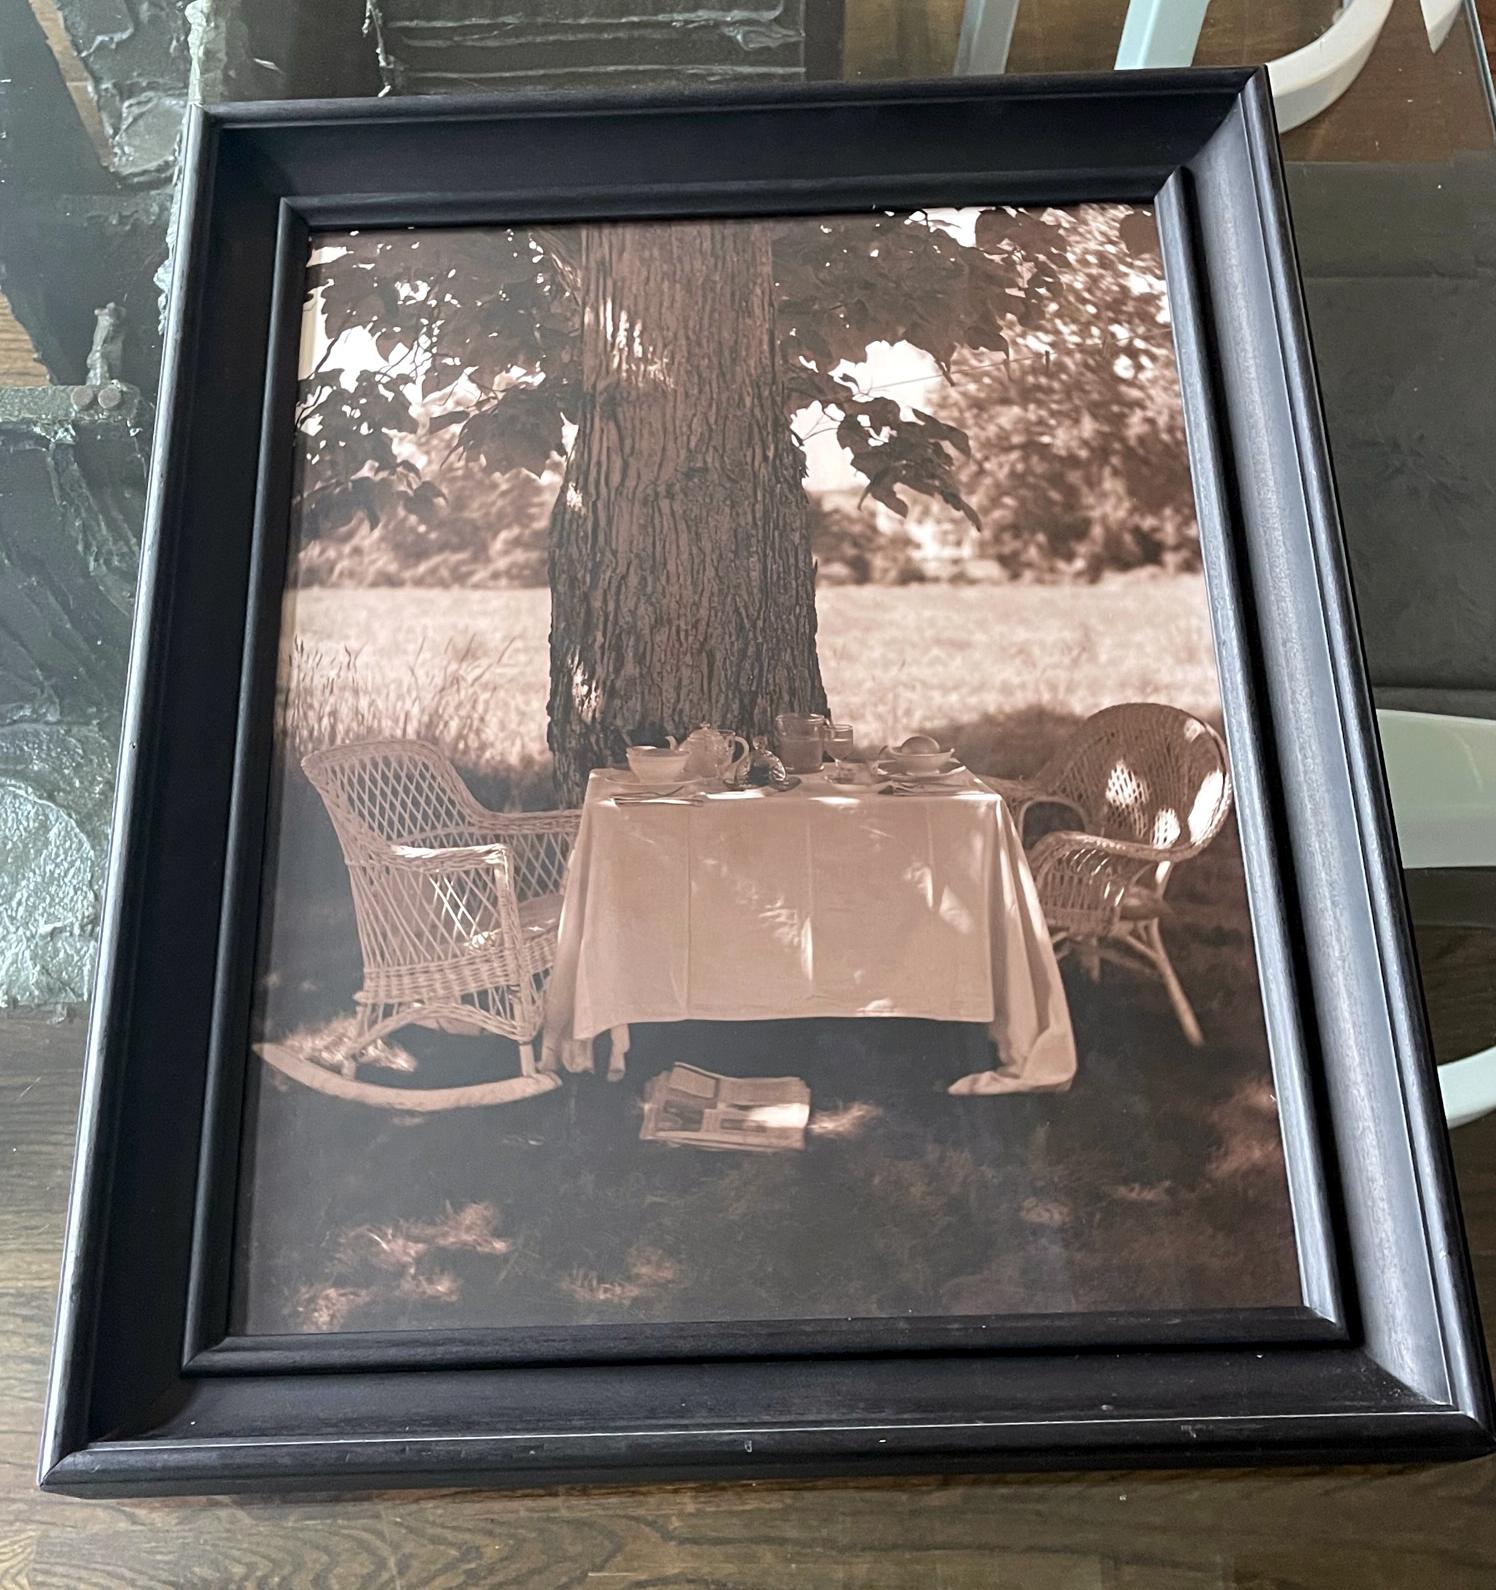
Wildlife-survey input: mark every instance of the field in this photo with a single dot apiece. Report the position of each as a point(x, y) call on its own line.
point(468, 669)
point(1156, 1181)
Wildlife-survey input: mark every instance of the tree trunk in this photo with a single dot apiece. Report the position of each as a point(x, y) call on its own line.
point(682, 584)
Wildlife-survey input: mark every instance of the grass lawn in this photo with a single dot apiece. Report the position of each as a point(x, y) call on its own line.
point(469, 669)
point(1156, 1181)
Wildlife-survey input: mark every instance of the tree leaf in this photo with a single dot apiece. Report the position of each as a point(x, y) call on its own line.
point(520, 430)
point(425, 501)
point(882, 413)
point(993, 229)
point(1139, 235)
point(880, 489)
point(988, 338)
point(943, 432)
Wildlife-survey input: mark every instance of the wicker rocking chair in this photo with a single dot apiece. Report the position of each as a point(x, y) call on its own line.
point(1136, 790)
point(457, 910)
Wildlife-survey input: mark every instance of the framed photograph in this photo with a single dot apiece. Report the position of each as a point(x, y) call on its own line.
point(750, 839)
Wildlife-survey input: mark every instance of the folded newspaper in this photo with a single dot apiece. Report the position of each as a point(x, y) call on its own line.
point(760, 1114)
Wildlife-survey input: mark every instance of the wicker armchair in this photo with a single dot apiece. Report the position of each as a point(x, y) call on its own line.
point(457, 906)
point(1136, 790)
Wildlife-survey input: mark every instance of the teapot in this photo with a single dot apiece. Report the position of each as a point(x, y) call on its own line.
point(713, 754)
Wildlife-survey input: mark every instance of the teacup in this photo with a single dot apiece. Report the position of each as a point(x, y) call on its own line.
point(658, 764)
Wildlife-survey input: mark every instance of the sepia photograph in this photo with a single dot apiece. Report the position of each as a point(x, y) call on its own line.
point(752, 830)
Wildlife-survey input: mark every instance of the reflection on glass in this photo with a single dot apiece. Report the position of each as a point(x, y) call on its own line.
point(549, 1032)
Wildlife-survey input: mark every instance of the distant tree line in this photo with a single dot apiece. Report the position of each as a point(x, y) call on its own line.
point(482, 532)
point(1078, 463)
point(462, 527)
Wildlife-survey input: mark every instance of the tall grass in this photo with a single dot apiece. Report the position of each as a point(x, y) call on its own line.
point(331, 695)
point(468, 670)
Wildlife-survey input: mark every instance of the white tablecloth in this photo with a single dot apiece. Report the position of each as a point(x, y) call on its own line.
point(822, 901)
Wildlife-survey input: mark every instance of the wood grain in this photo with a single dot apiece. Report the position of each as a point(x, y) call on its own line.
point(1283, 1530)
point(1407, 104)
point(1425, 1529)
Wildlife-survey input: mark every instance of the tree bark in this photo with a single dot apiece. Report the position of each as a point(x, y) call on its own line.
point(682, 583)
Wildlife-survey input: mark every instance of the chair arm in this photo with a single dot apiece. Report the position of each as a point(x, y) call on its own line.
point(542, 844)
point(563, 822)
point(1022, 797)
point(1070, 842)
point(451, 858)
point(1087, 883)
point(470, 889)
point(1015, 791)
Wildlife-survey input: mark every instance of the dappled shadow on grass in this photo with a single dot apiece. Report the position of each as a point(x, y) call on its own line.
point(1006, 744)
point(1155, 1182)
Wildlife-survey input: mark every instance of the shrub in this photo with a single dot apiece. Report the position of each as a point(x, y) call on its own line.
point(851, 549)
point(462, 528)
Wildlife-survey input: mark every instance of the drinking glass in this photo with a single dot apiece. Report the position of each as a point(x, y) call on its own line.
point(841, 740)
point(801, 738)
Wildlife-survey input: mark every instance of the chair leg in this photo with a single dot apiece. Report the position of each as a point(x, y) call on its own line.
point(1153, 937)
point(369, 1026)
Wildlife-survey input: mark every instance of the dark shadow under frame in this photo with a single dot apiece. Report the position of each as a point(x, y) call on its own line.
point(148, 1390)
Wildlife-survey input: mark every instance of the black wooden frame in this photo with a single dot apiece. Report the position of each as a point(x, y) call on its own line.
point(151, 1391)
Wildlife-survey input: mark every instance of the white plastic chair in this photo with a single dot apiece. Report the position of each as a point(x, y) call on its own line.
point(1441, 771)
point(1305, 82)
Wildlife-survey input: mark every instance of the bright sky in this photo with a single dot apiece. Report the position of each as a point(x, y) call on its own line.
point(906, 374)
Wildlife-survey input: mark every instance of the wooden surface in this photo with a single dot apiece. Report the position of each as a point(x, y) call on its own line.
point(1407, 103)
point(1427, 1529)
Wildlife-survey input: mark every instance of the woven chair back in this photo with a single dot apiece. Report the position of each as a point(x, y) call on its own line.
point(401, 792)
point(1147, 773)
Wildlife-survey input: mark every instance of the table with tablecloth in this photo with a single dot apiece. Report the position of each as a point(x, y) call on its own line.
point(822, 901)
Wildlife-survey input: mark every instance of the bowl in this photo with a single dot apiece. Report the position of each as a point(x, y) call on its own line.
point(922, 764)
point(658, 764)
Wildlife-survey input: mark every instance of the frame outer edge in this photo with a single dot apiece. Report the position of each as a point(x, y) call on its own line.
point(72, 1462)
point(71, 1370)
point(746, 1453)
point(1450, 1275)
point(1158, 82)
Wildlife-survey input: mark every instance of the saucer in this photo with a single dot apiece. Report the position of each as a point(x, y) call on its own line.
point(887, 768)
point(631, 781)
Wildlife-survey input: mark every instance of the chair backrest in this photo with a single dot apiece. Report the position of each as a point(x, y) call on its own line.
point(383, 792)
point(1145, 772)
